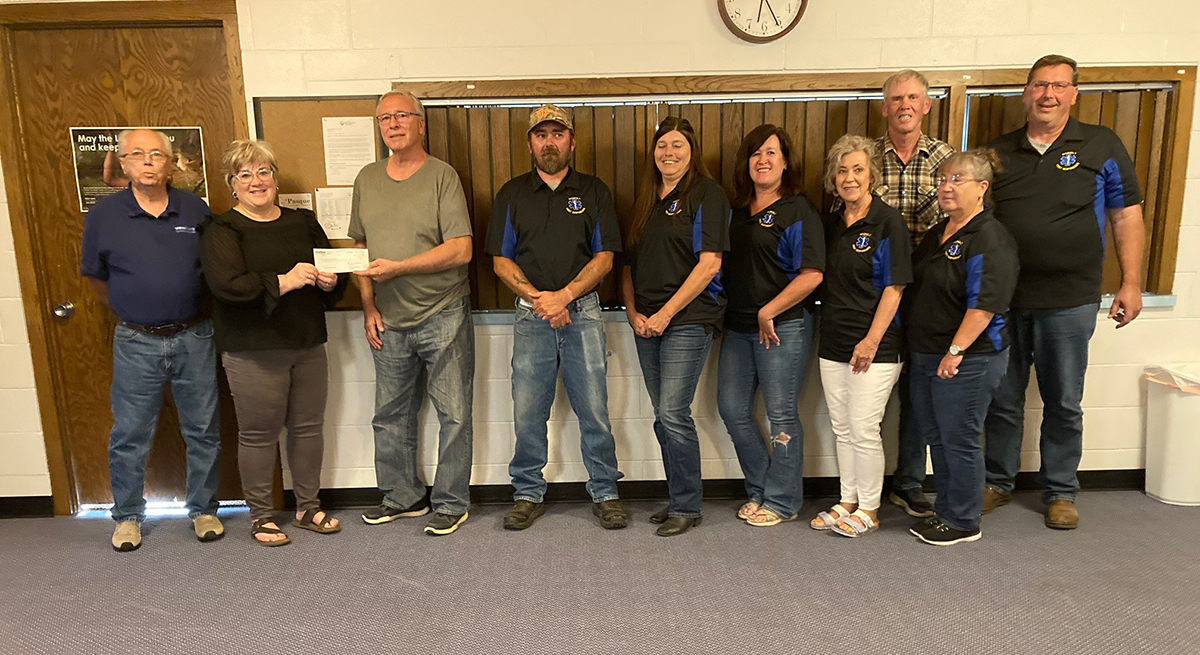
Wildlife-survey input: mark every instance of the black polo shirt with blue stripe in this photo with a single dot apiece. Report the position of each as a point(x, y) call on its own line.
point(678, 230)
point(766, 252)
point(1055, 207)
point(861, 260)
point(975, 268)
point(552, 234)
point(151, 263)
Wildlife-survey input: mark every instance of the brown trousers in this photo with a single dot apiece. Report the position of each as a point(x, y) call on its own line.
point(273, 390)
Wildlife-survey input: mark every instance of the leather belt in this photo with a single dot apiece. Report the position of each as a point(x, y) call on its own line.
point(170, 329)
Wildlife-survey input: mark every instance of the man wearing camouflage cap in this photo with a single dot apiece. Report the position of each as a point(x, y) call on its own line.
point(552, 236)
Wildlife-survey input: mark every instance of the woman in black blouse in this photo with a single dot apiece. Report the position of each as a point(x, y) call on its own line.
point(775, 261)
point(270, 329)
point(674, 302)
point(964, 275)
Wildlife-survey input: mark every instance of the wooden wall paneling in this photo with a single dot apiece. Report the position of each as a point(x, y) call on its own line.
point(814, 152)
point(643, 124)
point(731, 138)
point(585, 150)
point(1175, 177)
point(773, 113)
point(520, 159)
point(1154, 190)
point(933, 120)
point(876, 124)
point(1108, 109)
point(710, 138)
point(436, 132)
point(793, 122)
point(835, 122)
point(956, 121)
point(480, 201)
point(1014, 114)
point(625, 157)
point(857, 117)
point(1089, 107)
point(1145, 134)
point(460, 159)
point(605, 144)
point(752, 116)
point(501, 154)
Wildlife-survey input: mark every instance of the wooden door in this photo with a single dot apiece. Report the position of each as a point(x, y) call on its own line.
point(159, 75)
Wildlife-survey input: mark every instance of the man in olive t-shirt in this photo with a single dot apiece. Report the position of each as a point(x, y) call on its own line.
point(410, 211)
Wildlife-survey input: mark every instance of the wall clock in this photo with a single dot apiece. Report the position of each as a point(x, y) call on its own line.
point(761, 21)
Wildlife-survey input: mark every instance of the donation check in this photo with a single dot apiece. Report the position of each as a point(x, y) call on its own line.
point(340, 260)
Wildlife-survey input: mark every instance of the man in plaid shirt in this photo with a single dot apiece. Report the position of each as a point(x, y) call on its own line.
point(910, 160)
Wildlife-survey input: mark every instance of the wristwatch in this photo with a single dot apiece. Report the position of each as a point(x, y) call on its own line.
point(955, 351)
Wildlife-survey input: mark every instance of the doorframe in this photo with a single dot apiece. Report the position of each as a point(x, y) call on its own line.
point(13, 150)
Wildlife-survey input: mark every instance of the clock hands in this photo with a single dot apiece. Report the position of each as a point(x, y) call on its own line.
point(768, 3)
point(760, 5)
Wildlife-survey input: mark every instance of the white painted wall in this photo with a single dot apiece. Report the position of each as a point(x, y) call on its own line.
point(324, 47)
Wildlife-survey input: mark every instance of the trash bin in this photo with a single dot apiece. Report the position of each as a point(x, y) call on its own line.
point(1172, 442)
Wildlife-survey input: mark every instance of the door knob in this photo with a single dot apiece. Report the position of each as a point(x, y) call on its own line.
point(64, 309)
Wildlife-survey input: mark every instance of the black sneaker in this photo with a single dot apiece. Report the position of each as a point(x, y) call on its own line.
point(387, 513)
point(940, 534)
point(442, 524)
point(912, 501)
point(924, 523)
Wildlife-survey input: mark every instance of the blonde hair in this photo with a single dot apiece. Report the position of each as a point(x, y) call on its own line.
point(243, 152)
point(851, 143)
point(981, 163)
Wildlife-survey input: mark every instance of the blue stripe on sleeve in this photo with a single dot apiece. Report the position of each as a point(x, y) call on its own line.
point(974, 278)
point(1114, 189)
point(697, 231)
point(881, 266)
point(596, 247)
point(993, 331)
point(508, 249)
point(790, 251)
point(1098, 206)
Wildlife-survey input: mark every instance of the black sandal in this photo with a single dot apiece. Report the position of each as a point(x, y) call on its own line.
point(322, 527)
point(259, 527)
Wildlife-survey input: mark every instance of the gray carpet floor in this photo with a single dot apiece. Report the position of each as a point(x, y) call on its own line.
point(1127, 581)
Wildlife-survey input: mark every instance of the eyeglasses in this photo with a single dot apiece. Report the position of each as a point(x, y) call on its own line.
point(155, 155)
point(954, 180)
point(1042, 85)
point(398, 116)
point(245, 177)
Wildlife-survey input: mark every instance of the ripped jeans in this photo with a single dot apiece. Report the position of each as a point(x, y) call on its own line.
point(774, 478)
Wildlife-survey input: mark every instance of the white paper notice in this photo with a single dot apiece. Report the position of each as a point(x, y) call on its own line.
point(295, 200)
point(333, 211)
point(340, 260)
point(349, 145)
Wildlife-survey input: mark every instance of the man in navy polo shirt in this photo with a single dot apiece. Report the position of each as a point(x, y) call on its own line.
point(141, 255)
point(1062, 180)
point(552, 236)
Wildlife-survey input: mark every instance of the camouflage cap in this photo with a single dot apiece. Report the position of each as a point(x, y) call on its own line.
point(548, 112)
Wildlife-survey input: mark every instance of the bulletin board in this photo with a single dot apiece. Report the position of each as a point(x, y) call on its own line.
point(293, 128)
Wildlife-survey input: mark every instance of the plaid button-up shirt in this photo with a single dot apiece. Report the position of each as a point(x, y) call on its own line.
point(912, 188)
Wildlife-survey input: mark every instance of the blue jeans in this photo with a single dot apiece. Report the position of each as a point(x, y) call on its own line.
point(671, 366)
point(910, 447)
point(1055, 343)
point(949, 415)
point(142, 364)
point(440, 352)
point(538, 352)
point(775, 478)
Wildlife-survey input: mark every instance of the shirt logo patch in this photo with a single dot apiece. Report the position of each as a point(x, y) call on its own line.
point(674, 208)
point(767, 219)
point(954, 250)
point(1068, 161)
point(862, 243)
point(182, 229)
point(575, 205)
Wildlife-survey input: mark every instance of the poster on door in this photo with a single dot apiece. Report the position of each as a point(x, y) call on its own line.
point(98, 171)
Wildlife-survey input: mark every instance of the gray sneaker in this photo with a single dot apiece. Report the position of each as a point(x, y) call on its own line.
point(442, 524)
point(127, 536)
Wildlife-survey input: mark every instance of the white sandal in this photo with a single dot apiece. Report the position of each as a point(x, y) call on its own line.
point(829, 520)
point(856, 530)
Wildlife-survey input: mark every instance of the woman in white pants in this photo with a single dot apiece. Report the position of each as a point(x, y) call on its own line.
point(867, 264)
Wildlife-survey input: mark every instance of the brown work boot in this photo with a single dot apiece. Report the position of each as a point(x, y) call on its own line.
point(1062, 515)
point(612, 516)
point(523, 514)
point(993, 499)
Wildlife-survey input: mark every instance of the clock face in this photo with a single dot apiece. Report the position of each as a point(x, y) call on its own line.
point(759, 21)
